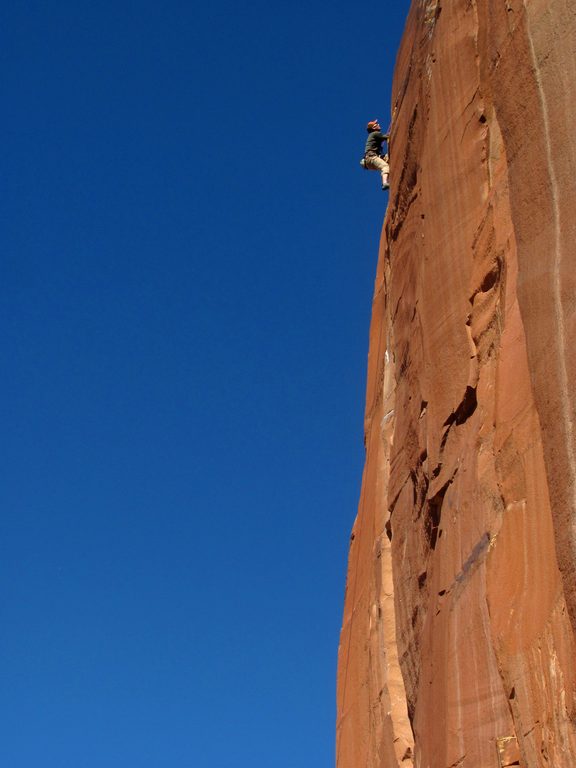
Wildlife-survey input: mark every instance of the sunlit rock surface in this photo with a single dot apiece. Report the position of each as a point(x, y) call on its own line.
point(457, 647)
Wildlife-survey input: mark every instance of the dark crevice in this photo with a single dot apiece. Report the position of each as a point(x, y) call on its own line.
point(388, 529)
point(465, 409)
point(445, 437)
point(395, 230)
point(433, 515)
point(411, 712)
point(491, 278)
point(422, 580)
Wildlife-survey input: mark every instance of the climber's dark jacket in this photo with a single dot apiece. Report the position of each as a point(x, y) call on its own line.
point(374, 143)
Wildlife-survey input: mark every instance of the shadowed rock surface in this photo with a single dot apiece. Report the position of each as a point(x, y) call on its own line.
point(457, 647)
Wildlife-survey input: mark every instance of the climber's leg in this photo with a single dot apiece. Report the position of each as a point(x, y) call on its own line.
point(376, 163)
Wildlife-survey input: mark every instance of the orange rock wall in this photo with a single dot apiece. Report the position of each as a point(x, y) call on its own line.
point(457, 647)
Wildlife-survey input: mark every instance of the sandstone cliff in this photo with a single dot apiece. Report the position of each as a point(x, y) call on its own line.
point(457, 647)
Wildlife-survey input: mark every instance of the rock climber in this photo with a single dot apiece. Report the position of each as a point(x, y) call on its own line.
point(374, 159)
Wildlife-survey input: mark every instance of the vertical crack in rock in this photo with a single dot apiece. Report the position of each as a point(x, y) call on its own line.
point(433, 516)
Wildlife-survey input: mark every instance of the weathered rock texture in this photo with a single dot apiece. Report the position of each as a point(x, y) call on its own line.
point(457, 647)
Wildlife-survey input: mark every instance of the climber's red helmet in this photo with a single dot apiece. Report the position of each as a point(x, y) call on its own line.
point(373, 125)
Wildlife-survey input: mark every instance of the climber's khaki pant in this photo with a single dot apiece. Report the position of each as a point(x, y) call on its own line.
point(376, 163)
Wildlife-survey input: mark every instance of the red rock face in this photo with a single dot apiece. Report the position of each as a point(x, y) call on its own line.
point(457, 647)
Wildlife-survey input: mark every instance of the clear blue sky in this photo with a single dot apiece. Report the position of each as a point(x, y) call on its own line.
point(187, 271)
